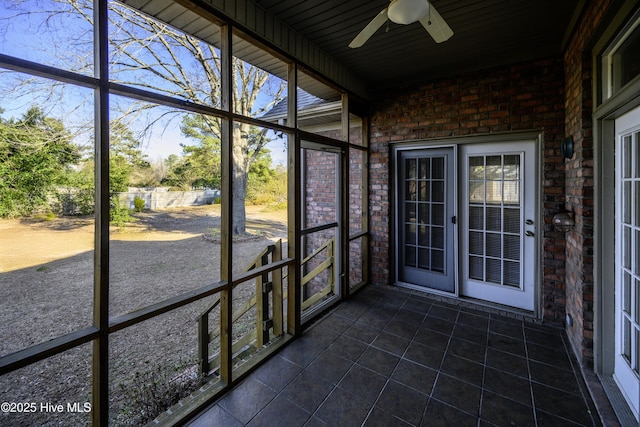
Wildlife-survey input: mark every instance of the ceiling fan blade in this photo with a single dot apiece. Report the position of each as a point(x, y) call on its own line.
point(370, 29)
point(436, 25)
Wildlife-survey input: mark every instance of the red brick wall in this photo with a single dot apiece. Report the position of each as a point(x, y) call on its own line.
point(580, 183)
point(522, 96)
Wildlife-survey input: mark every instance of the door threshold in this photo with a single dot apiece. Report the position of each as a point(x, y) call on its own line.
point(619, 404)
point(473, 303)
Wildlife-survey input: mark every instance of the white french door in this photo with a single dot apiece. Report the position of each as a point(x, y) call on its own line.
point(466, 221)
point(497, 223)
point(627, 268)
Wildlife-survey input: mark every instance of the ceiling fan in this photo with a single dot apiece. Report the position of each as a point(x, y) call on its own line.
point(407, 12)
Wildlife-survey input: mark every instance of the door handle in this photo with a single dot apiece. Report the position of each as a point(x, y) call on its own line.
point(529, 233)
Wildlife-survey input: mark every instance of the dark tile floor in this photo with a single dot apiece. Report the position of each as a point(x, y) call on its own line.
point(389, 357)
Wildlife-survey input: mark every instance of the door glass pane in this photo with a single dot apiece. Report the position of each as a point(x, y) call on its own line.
point(626, 338)
point(476, 243)
point(437, 237)
point(511, 220)
point(437, 168)
point(626, 247)
point(476, 168)
point(494, 271)
point(494, 219)
point(511, 273)
point(410, 190)
point(437, 191)
point(410, 256)
point(476, 218)
point(476, 268)
point(476, 191)
point(425, 168)
point(424, 182)
point(636, 290)
point(423, 235)
point(493, 190)
point(494, 245)
point(424, 191)
point(424, 213)
point(626, 155)
point(410, 168)
point(511, 192)
point(511, 247)
point(626, 293)
point(437, 214)
point(424, 258)
point(494, 168)
point(437, 260)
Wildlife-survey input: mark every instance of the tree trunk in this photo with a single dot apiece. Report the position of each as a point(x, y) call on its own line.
point(239, 176)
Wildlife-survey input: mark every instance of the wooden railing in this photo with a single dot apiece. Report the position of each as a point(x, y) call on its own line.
point(267, 284)
point(327, 264)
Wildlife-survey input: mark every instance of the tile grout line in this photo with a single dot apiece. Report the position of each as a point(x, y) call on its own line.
point(395, 368)
point(484, 369)
point(530, 378)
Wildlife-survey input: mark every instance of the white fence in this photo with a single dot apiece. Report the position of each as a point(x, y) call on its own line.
point(160, 198)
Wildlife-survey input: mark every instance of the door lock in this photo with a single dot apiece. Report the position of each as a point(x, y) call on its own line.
point(529, 222)
point(529, 233)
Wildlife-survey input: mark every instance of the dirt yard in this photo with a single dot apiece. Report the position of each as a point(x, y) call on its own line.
point(46, 288)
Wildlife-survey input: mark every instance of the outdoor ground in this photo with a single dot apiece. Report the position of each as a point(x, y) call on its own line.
point(46, 290)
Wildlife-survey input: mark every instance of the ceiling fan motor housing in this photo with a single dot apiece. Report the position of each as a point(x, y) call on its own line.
point(407, 11)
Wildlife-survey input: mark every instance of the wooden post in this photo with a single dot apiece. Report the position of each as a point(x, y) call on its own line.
point(332, 266)
point(203, 344)
point(226, 223)
point(262, 304)
point(276, 278)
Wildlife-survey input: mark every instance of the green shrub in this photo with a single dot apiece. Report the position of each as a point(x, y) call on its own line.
point(268, 192)
point(138, 204)
point(119, 214)
point(78, 201)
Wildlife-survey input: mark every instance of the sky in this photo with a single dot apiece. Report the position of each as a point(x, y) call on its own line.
point(64, 42)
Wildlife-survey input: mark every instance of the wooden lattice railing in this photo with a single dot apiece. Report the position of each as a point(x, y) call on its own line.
point(329, 265)
point(267, 284)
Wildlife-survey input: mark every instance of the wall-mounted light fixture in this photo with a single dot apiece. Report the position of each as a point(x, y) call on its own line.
point(563, 221)
point(566, 147)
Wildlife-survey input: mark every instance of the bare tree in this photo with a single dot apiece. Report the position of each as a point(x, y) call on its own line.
point(151, 55)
